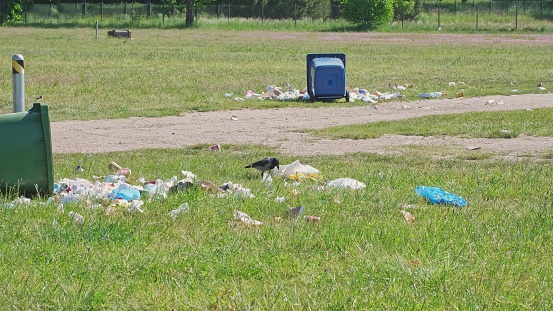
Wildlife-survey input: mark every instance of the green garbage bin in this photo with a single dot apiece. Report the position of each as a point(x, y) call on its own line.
point(26, 153)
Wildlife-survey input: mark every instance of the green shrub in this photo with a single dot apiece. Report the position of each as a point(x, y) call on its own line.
point(371, 13)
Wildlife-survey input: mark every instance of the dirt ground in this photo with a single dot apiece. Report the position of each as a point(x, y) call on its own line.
point(273, 128)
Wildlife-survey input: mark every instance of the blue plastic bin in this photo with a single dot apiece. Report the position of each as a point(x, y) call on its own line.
point(326, 76)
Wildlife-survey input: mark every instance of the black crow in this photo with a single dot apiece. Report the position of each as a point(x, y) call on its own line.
point(264, 165)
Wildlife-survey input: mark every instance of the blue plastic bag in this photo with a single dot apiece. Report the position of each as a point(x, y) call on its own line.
point(439, 196)
point(125, 194)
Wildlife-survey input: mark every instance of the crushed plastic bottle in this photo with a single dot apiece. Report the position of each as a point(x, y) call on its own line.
point(431, 95)
point(439, 196)
point(115, 178)
point(183, 208)
point(77, 218)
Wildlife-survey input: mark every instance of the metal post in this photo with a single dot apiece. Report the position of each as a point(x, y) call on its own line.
point(96, 29)
point(516, 16)
point(477, 17)
point(402, 14)
point(439, 16)
point(18, 70)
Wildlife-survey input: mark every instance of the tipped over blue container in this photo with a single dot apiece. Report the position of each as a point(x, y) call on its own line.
point(440, 196)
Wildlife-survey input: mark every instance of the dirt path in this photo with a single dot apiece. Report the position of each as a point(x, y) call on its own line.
point(273, 127)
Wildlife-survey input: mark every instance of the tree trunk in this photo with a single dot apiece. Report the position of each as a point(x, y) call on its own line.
point(189, 13)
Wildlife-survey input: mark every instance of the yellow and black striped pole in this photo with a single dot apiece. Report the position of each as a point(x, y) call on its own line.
point(18, 72)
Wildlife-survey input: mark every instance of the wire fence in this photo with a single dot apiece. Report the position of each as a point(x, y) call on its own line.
point(134, 11)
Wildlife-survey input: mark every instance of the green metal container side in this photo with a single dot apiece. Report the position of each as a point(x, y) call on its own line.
point(26, 152)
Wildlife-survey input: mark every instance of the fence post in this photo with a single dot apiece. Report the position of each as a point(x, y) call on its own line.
point(102, 11)
point(491, 6)
point(476, 17)
point(228, 20)
point(438, 15)
point(296, 15)
point(262, 13)
point(516, 16)
point(403, 13)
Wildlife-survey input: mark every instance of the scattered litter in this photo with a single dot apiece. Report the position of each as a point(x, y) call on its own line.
point(125, 192)
point(291, 94)
point(279, 199)
point(491, 101)
point(234, 118)
point(439, 196)
point(238, 190)
point(124, 171)
point(410, 219)
point(459, 94)
point(112, 166)
point(346, 182)
point(405, 107)
point(295, 211)
point(409, 206)
point(19, 201)
point(474, 148)
point(267, 179)
point(79, 169)
point(209, 187)
point(413, 263)
point(452, 83)
point(431, 95)
point(310, 218)
point(541, 88)
point(246, 219)
point(297, 171)
point(77, 218)
point(188, 174)
point(183, 208)
point(334, 199)
point(117, 178)
point(215, 147)
point(135, 206)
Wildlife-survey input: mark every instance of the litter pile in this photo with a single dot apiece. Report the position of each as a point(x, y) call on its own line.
point(273, 92)
point(113, 194)
point(287, 93)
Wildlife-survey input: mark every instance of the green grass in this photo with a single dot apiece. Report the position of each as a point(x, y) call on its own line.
point(168, 72)
point(493, 254)
point(500, 124)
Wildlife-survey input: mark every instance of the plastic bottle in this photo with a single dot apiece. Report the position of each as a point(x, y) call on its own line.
point(431, 95)
point(439, 196)
point(115, 178)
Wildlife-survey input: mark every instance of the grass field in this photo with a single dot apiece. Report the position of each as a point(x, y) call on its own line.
point(493, 254)
point(167, 72)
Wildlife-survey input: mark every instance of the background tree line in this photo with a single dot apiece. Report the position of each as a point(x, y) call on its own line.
point(371, 13)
